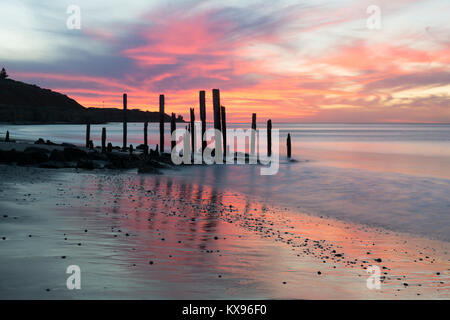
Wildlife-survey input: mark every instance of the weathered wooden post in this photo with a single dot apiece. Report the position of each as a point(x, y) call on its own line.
point(7, 136)
point(124, 121)
point(253, 136)
point(224, 128)
point(103, 140)
point(161, 123)
point(192, 130)
point(109, 148)
point(269, 138)
point(131, 149)
point(173, 127)
point(216, 109)
point(203, 118)
point(88, 134)
point(146, 138)
point(91, 144)
point(288, 145)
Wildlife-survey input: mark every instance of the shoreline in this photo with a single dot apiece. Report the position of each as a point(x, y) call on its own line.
point(260, 246)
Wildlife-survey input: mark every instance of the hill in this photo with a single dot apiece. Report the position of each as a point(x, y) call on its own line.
point(26, 103)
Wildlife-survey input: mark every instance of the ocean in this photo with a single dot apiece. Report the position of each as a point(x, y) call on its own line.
point(395, 176)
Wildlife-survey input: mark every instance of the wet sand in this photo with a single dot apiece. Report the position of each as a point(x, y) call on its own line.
point(160, 237)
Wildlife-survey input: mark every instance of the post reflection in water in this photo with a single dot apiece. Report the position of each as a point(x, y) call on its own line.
point(183, 232)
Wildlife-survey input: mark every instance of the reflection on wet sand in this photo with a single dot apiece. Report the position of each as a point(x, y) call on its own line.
point(190, 235)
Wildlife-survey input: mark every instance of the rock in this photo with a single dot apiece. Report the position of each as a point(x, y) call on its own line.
point(140, 147)
point(49, 143)
point(53, 165)
point(57, 155)
point(68, 145)
point(36, 149)
point(8, 156)
point(32, 156)
point(97, 156)
point(74, 154)
point(86, 164)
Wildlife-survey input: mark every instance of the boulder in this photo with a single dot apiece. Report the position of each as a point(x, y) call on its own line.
point(32, 156)
point(74, 154)
point(57, 156)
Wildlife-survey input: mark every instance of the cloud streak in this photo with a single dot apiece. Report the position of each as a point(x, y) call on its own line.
point(288, 61)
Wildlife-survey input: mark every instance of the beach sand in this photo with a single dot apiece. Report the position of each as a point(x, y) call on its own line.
point(161, 237)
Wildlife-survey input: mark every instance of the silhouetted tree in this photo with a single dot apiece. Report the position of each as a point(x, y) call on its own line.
point(3, 74)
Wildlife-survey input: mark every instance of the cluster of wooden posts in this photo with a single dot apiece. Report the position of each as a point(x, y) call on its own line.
point(220, 124)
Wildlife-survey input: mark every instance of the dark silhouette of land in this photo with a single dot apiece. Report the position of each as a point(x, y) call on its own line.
point(25, 103)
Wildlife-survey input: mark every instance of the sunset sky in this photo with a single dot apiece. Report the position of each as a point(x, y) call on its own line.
point(310, 61)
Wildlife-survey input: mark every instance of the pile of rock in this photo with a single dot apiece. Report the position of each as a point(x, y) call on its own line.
point(73, 157)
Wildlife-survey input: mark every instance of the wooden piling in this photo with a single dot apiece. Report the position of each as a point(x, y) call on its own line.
point(192, 129)
point(124, 121)
point(161, 123)
point(224, 128)
point(216, 110)
point(146, 138)
point(253, 136)
point(203, 117)
point(109, 147)
point(288, 145)
point(103, 140)
point(173, 127)
point(131, 149)
point(88, 134)
point(7, 136)
point(269, 138)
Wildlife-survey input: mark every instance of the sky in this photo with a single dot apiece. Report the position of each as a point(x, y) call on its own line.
point(291, 61)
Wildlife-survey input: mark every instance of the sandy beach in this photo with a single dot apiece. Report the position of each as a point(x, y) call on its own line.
point(161, 237)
